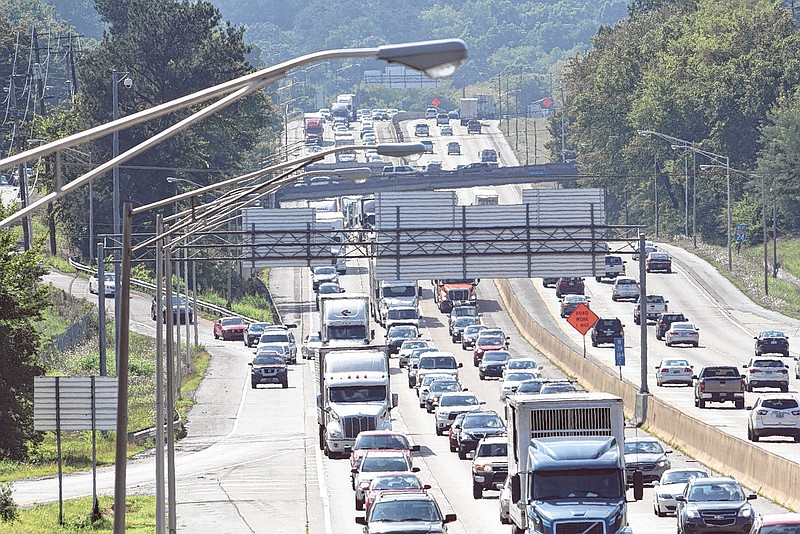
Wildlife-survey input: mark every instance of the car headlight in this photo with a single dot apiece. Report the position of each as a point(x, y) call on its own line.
point(692, 513)
point(746, 511)
point(663, 463)
point(334, 430)
point(665, 496)
point(483, 468)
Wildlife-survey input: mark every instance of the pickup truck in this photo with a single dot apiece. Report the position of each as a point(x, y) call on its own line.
point(719, 383)
point(656, 305)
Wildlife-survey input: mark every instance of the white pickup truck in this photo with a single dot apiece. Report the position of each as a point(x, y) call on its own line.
point(656, 304)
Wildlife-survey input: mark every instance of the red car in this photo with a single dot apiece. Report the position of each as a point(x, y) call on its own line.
point(229, 328)
point(399, 482)
point(491, 341)
point(774, 522)
point(385, 440)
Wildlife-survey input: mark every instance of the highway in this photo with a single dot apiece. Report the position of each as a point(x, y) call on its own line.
point(251, 461)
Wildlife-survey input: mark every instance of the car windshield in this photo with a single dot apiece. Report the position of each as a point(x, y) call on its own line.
point(383, 463)
point(232, 321)
point(771, 334)
point(779, 404)
point(274, 338)
point(413, 345)
point(483, 421)
point(428, 380)
point(519, 377)
point(464, 321)
point(382, 442)
point(325, 270)
point(522, 364)
point(681, 477)
point(473, 329)
point(400, 291)
point(497, 357)
point(570, 299)
point(675, 363)
point(577, 484)
point(438, 362)
point(682, 326)
point(558, 388)
point(358, 394)
point(396, 482)
point(790, 527)
point(256, 327)
point(402, 331)
point(313, 339)
point(347, 332)
point(280, 349)
point(268, 360)
point(405, 510)
point(530, 386)
point(768, 363)
point(607, 323)
point(402, 313)
point(458, 400)
point(470, 311)
point(445, 385)
point(493, 449)
point(108, 277)
point(329, 288)
point(720, 491)
point(626, 282)
point(643, 447)
point(490, 340)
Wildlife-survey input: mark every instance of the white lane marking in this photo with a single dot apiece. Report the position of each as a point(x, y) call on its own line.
point(323, 493)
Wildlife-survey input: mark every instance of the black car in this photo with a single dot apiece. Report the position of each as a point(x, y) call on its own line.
point(180, 309)
point(548, 281)
point(476, 168)
point(253, 333)
point(772, 342)
point(665, 320)
point(607, 330)
point(435, 390)
point(397, 334)
point(476, 426)
point(457, 327)
point(269, 368)
point(710, 505)
point(493, 363)
point(327, 288)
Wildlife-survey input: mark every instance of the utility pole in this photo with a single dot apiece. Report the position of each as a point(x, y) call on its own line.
point(23, 179)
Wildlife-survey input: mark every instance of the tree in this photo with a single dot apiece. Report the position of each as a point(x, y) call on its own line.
point(22, 299)
point(165, 64)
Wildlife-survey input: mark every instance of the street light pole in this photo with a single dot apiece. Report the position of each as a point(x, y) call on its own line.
point(764, 232)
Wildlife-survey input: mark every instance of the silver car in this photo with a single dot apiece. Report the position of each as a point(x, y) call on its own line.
point(646, 455)
point(413, 363)
point(452, 404)
point(423, 391)
point(405, 350)
point(625, 288)
point(672, 484)
point(674, 371)
point(513, 379)
point(682, 333)
point(774, 415)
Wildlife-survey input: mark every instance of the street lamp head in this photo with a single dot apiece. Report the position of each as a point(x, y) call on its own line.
point(172, 179)
point(400, 150)
point(706, 167)
point(644, 132)
point(437, 59)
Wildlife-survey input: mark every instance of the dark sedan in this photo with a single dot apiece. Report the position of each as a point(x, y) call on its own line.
point(772, 342)
point(458, 326)
point(475, 427)
point(397, 334)
point(493, 363)
point(253, 333)
point(710, 505)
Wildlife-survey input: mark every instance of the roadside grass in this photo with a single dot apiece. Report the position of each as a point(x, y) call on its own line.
point(748, 272)
point(77, 446)
point(64, 311)
point(140, 517)
point(60, 264)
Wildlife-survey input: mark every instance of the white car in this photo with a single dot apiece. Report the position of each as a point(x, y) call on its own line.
point(108, 284)
point(374, 463)
point(625, 288)
point(523, 364)
point(766, 373)
point(513, 379)
point(774, 415)
point(324, 274)
point(682, 333)
point(672, 484)
point(505, 501)
point(452, 404)
point(674, 371)
point(405, 349)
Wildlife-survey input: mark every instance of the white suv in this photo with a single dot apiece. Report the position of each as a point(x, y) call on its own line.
point(766, 373)
point(624, 288)
point(774, 416)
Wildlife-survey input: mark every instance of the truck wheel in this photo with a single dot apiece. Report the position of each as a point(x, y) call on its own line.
point(254, 385)
point(481, 376)
point(748, 388)
point(754, 436)
point(453, 448)
point(462, 453)
point(477, 491)
point(439, 431)
point(636, 320)
point(216, 336)
point(326, 451)
point(285, 384)
point(785, 389)
point(359, 504)
point(321, 437)
point(594, 343)
point(614, 298)
point(739, 404)
point(598, 278)
point(701, 403)
point(504, 520)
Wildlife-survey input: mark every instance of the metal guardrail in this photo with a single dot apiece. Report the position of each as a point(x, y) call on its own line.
point(150, 288)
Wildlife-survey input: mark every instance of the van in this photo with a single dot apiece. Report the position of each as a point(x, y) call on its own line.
point(422, 129)
point(613, 266)
point(428, 146)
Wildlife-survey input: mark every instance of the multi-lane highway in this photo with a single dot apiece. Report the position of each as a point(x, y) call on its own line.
point(251, 461)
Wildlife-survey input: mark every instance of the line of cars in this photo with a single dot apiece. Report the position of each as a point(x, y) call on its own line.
point(387, 486)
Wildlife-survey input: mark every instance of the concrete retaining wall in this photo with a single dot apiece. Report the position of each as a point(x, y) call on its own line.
point(770, 475)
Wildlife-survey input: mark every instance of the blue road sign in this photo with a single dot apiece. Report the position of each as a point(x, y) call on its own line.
point(740, 233)
point(619, 352)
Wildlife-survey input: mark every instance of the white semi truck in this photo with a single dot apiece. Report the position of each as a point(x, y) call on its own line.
point(353, 394)
point(566, 461)
point(344, 321)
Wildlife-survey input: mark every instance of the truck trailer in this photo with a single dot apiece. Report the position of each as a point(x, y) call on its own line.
point(566, 461)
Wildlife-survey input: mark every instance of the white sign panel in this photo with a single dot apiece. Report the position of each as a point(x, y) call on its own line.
point(74, 402)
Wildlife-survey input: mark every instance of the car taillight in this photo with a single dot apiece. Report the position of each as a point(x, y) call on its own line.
point(784, 371)
point(687, 369)
point(741, 386)
point(762, 412)
point(753, 370)
point(795, 412)
point(702, 386)
point(665, 370)
point(364, 486)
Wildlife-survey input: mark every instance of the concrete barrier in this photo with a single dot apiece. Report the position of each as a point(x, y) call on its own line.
point(770, 475)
